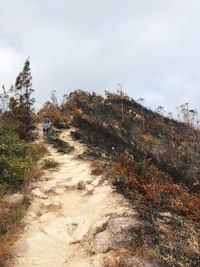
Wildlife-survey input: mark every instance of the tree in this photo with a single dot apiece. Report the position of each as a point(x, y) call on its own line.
point(141, 102)
point(54, 98)
point(23, 87)
point(4, 96)
point(21, 102)
point(121, 94)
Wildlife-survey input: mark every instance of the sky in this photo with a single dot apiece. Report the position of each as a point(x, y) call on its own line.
point(151, 47)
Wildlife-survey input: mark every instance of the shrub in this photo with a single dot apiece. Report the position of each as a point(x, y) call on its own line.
point(53, 112)
point(16, 156)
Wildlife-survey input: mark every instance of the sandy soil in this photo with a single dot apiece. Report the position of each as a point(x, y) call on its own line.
point(68, 205)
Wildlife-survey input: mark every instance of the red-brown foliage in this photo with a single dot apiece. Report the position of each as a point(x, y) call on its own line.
point(156, 186)
point(53, 112)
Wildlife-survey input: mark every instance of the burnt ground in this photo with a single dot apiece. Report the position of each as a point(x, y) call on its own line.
point(60, 145)
point(170, 238)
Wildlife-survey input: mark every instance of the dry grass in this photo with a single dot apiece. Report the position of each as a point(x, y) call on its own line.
point(145, 180)
point(50, 164)
point(10, 218)
point(42, 148)
point(97, 168)
point(148, 137)
point(33, 174)
point(12, 212)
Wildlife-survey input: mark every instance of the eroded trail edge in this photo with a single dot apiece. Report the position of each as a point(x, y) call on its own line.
point(76, 219)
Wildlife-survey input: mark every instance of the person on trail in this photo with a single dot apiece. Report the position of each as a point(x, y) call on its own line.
point(46, 125)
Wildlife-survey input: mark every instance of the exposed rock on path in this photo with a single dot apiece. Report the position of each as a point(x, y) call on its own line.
point(75, 219)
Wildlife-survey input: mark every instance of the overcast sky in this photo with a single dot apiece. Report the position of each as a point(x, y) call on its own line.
point(151, 47)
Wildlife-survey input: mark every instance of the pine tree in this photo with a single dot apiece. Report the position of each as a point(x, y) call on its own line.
point(21, 103)
point(23, 87)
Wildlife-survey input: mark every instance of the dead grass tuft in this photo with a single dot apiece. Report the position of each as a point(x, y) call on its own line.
point(42, 148)
point(33, 174)
point(50, 164)
point(97, 168)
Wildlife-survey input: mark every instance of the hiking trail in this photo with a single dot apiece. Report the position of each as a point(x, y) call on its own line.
point(74, 217)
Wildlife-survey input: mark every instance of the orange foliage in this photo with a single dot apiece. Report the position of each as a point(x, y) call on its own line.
point(53, 112)
point(156, 186)
point(188, 204)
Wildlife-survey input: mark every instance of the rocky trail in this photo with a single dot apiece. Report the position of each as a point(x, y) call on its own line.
point(75, 218)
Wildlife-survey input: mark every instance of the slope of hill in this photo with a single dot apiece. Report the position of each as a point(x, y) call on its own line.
point(152, 160)
point(77, 219)
point(172, 146)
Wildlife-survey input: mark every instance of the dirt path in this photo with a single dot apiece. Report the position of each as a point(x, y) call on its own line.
point(69, 207)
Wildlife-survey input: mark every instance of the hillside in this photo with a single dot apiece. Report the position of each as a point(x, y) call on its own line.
point(113, 184)
point(172, 146)
point(151, 160)
point(78, 219)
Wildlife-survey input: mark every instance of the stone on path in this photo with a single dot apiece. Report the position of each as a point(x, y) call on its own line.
point(119, 231)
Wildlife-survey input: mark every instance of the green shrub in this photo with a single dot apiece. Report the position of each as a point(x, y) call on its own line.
point(16, 156)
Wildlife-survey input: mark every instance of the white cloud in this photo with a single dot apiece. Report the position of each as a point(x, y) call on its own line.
point(151, 47)
point(10, 60)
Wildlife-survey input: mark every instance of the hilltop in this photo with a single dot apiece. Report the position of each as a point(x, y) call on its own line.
point(121, 123)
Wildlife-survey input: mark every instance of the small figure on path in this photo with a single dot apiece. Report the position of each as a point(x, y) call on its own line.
point(46, 126)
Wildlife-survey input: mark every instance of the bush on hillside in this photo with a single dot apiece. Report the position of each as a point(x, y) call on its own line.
point(16, 156)
point(53, 112)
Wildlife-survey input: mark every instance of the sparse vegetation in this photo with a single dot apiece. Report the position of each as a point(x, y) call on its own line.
point(144, 181)
point(173, 146)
